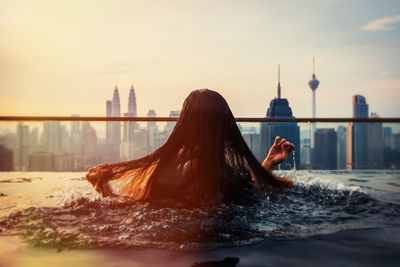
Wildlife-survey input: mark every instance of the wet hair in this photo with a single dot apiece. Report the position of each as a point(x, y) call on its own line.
point(205, 161)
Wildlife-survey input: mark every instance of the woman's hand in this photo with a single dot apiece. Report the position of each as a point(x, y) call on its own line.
point(279, 152)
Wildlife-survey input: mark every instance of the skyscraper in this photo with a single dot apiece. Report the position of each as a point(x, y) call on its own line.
point(357, 136)
point(171, 124)
point(127, 151)
point(116, 125)
point(325, 149)
point(54, 137)
point(341, 147)
point(279, 108)
point(6, 159)
point(75, 137)
point(22, 149)
point(108, 123)
point(132, 108)
point(375, 144)
point(152, 130)
point(387, 132)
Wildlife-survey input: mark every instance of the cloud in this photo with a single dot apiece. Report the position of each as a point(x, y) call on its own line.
point(382, 24)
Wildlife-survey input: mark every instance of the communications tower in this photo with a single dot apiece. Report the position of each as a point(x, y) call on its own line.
point(313, 83)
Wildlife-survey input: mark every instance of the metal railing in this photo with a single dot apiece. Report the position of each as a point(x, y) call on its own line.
point(166, 119)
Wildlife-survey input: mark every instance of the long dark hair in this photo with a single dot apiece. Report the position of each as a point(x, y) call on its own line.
point(205, 161)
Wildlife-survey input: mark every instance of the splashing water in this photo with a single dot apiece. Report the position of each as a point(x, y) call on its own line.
point(312, 207)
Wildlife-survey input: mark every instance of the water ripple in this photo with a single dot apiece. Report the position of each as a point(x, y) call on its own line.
point(310, 208)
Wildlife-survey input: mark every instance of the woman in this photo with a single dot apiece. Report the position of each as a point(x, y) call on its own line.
point(205, 161)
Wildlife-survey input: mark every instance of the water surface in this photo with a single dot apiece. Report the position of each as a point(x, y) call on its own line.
point(61, 211)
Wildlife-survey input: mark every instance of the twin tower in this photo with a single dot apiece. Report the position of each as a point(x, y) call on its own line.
point(114, 106)
point(113, 129)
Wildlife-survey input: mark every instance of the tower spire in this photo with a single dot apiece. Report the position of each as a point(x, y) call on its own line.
point(279, 81)
point(313, 66)
point(132, 108)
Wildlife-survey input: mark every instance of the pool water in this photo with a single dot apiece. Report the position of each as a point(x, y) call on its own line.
point(329, 217)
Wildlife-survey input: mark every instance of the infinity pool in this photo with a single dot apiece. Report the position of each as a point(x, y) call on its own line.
point(331, 218)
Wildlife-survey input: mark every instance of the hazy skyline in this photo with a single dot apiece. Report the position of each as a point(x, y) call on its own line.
point(64, 57)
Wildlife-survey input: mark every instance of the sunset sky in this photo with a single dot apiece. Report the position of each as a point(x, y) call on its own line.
point(65, 57)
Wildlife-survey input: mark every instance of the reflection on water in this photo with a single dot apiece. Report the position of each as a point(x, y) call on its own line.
point(62, 211)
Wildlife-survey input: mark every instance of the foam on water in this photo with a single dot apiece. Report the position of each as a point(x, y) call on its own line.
point(314, 206)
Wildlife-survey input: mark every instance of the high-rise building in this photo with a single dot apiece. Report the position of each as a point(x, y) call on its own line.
point(89, 140)
point(34, 140)
point(375, 144)
point(153, 133)
point(6, 159)
point(171, 124)
point(357, 136)
point(325, 149)
point(22, 149)
point(127, 148)
point(132, 107)
point(279, 108)
point(75, 138)
point(387, 132)
point(116, 125)
point(108, 123)
point(54, 137)
point(141, 143)
point(341, 147)
point(394, 142)
point(112, 146)
point(151, 114)
point(252, 137)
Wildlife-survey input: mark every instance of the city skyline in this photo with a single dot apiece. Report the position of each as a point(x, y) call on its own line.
point(63, 57)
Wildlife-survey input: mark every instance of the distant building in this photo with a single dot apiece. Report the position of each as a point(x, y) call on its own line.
point(41, 161)
point(154, 140)
point(112, 147)
point(279, 108)
point(109, 139)
point(253, 140)
point(54, 137)
point(89, 140)
point(325, 149)
point(75, 138)
point(22, 149)
point(305, 153)
point(375, 144)
point(341, 147)
point(171, 124)
point(6, 159)
point(64, 162)
point(394, 142)
point(107, 147)
point(34, 140)
point(141, 143)
point(151, 114)
point(127, 147)
point(387, 132)
point(116, 125)
point(357, 136)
